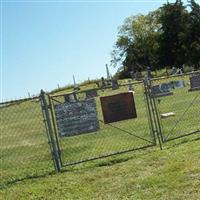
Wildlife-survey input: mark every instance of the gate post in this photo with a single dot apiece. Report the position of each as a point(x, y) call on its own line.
point(153, 110)
point(50, 134)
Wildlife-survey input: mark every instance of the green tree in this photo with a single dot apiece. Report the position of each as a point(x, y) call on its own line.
point(194, 35)
point(136, 46)
point(173, 39)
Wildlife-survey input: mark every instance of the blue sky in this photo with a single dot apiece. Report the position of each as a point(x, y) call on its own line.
point(43, 43)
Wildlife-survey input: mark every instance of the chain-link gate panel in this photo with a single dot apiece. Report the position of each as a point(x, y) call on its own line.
point(24, 150)
point(110, 138)
point(178, 105)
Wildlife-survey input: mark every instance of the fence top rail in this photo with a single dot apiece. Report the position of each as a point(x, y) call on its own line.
point(176, 75)
point(18, 100)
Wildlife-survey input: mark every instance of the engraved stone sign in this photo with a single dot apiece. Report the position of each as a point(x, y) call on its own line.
point(76, 118)
point(118, 107)
point(91, 93)
point(195, 82)
point(157, 92)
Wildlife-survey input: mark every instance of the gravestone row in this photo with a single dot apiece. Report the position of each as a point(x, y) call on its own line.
point(164, 88)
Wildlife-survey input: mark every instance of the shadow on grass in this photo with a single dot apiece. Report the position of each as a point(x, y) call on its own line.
point(111, 160)
point(183, 141)
point(15, 181)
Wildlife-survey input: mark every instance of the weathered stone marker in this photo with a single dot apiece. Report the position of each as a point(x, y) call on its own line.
point(76, 118)
point(169, 114)
point(71, 97)
point(114, 84)
point(195, 83)
point(160, 90)
point(91, 93)
point(118, 107)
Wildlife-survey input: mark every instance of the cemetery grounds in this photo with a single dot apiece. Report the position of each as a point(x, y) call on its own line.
point(27, 170)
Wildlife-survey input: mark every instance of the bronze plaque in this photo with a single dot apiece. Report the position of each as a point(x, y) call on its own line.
point(118, 107)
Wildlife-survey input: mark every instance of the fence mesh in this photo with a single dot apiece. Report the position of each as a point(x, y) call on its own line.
point(24, 147)
point(180, 109)
point(112, 138)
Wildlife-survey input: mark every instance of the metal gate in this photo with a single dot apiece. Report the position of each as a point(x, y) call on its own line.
point(178, 109)
point(111, 138)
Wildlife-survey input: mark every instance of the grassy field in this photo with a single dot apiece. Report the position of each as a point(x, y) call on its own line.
point(170, 174)
point(147, 174)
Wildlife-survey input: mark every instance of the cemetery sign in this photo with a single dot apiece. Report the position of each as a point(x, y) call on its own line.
point(118, 107)
point(76, 118)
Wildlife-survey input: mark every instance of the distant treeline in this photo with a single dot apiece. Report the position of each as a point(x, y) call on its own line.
point(165, 38)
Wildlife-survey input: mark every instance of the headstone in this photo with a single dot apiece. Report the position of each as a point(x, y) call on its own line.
point(91, 93)
point(157, 92)
point(171, 85)
point(114, 84)
point(70, 97)
point(169, 114)
point(195, 83)
point(108, 82)
point(103, 82)
point(164, 87)
point(76, 118)
point(179, 84)
point(138, 76)
point(118, 107)
point(174, 70)
point(130, 87)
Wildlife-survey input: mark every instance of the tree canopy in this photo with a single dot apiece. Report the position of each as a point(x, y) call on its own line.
point(166, 37)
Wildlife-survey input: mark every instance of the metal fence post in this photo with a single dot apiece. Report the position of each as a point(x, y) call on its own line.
point(53, 146)
point(154, 112)
point(149, 112)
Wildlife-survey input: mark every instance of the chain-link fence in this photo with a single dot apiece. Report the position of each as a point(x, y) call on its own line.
point(35, 130)
point(178, 103)
point(24, 149)
point(111, 138)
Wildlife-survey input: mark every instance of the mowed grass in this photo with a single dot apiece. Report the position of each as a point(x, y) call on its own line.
point(152, 174)
point(25, 152)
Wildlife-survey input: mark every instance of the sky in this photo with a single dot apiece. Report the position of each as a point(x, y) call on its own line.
point(45, 43)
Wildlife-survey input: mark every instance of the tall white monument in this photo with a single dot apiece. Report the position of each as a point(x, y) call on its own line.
point(108, 73)
point(76, 87)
